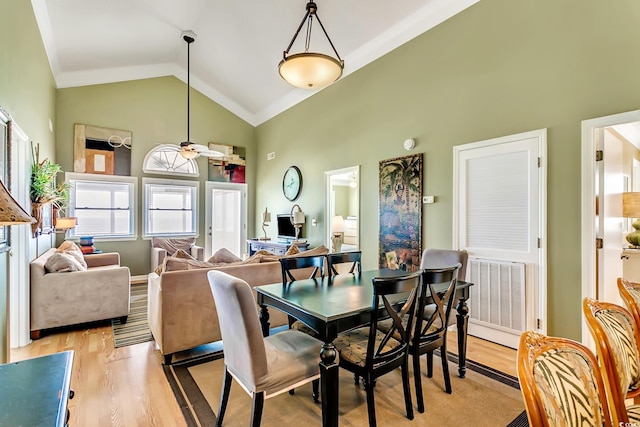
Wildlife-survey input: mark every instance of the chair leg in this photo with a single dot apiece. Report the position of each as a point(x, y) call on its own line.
point(224, 396)
point(445, 369)
point(417, 379)
point(316, 387)
point(405, 385)
point(371, 405)
point(429, 364)
point(256, 409)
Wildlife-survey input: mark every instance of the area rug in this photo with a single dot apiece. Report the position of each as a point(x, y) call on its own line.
point(136, 330)
point(486, 397)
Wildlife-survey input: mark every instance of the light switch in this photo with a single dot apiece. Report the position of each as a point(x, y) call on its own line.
point(314, 222)
point(428, 199)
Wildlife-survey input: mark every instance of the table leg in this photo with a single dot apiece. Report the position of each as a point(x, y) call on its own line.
point(264, 320)
point(462, 323)
point(329, 385)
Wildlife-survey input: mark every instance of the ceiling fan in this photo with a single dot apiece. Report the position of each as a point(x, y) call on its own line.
point(188, 149)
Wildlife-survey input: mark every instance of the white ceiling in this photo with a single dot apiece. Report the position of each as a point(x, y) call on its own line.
point(238, 46)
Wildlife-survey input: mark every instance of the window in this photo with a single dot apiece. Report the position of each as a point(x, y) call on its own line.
point(4, 170)
point(166, 159)
point(170, 207)
point(103, 204)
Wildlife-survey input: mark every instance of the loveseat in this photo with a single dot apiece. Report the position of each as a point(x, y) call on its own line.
point(67, 298)
point(180, 306)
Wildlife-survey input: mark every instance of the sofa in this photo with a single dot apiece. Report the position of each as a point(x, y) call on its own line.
point(67, 298)
point(180, 307)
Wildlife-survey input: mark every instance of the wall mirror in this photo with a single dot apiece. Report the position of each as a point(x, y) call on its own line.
point(342, 209)
point(101, 150)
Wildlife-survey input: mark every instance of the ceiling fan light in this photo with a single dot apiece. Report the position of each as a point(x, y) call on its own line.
point(310, 70)
point(188, 154)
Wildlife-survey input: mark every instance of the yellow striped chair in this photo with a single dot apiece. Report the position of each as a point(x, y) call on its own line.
point(616, 337)
point(561, 383)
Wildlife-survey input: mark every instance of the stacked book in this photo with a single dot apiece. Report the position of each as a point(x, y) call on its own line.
point(86, 245)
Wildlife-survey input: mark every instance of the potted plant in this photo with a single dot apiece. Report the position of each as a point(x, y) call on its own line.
point(43, 190)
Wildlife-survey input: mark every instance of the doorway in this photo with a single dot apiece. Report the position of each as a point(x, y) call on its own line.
point(342, 209)
point(613, 139)
point(226, 218)
point(500, 210)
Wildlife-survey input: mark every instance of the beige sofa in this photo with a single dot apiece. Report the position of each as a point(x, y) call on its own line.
point(181, 310)
point(61, 299)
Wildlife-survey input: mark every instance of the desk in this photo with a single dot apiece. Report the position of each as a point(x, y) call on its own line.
point(35, 391)
point(337, 307)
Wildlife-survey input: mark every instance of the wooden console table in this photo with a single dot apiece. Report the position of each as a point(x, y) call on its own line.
point(276, 248)
point(35, 391)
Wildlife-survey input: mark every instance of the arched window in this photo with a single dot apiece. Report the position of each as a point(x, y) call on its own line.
point(165, 159)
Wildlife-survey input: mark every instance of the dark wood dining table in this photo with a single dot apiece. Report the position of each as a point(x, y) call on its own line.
point(330, 307)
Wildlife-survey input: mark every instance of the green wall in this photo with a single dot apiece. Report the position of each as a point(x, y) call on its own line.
point(27, 93)
point(498, 68)
point(154, 110)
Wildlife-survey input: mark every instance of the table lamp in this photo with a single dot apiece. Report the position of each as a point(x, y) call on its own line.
point(66, 223)
point(11, 213)
point(297, 219)
point(631, 209)
point(337, 232)
point(266, 217)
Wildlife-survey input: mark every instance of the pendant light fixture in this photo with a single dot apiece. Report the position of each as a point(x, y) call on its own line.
point(310, 70)
point(187, 148)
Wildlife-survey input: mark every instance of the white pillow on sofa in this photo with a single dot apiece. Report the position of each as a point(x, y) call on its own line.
point(61, 262)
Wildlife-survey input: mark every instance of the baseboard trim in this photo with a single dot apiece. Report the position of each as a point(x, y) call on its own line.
point(136, 280)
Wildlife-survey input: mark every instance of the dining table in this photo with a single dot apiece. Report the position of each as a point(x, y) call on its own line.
point(331, 305)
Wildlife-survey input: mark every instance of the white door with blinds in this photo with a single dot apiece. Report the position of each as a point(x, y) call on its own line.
point(500, 219)
point(226, 217)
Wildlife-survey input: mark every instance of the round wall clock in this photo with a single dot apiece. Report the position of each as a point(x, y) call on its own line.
point(292, 183)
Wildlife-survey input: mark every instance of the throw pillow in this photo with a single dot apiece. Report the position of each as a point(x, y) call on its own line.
point(293, 249)
point(181, 253)
point(223, 255)
point(320, 250)
point(172, 244)
point(73, 250)
point(61, 262)
point(179, 264)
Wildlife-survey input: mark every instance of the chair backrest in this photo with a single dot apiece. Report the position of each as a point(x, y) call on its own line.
point(616, 337)
point(438, 258)
point(244, 352)
point(354, 257)
point(383, 306)
point(297, 262)
point(440, 285)
point(561, 383)
point(630, 293)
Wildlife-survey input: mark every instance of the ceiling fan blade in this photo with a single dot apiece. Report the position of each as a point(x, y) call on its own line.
point(213, 154)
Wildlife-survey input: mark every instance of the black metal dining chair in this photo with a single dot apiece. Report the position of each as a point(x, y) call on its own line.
point(370, 353)
point(334, 259)
point(288, 264)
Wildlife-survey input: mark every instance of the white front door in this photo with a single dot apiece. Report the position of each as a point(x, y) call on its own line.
point(226, 220)
point(499, 218)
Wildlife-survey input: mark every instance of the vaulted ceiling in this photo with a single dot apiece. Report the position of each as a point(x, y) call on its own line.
point(238, 46)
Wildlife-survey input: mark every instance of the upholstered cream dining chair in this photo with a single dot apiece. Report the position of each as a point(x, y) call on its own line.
point(264, 367)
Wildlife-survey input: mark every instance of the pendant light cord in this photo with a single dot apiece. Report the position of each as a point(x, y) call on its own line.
point(188, 91)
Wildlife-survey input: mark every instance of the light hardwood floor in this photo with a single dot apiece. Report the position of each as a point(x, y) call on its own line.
point(126, 387)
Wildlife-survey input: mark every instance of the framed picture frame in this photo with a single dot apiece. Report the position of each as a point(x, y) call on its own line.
point(400, 215)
